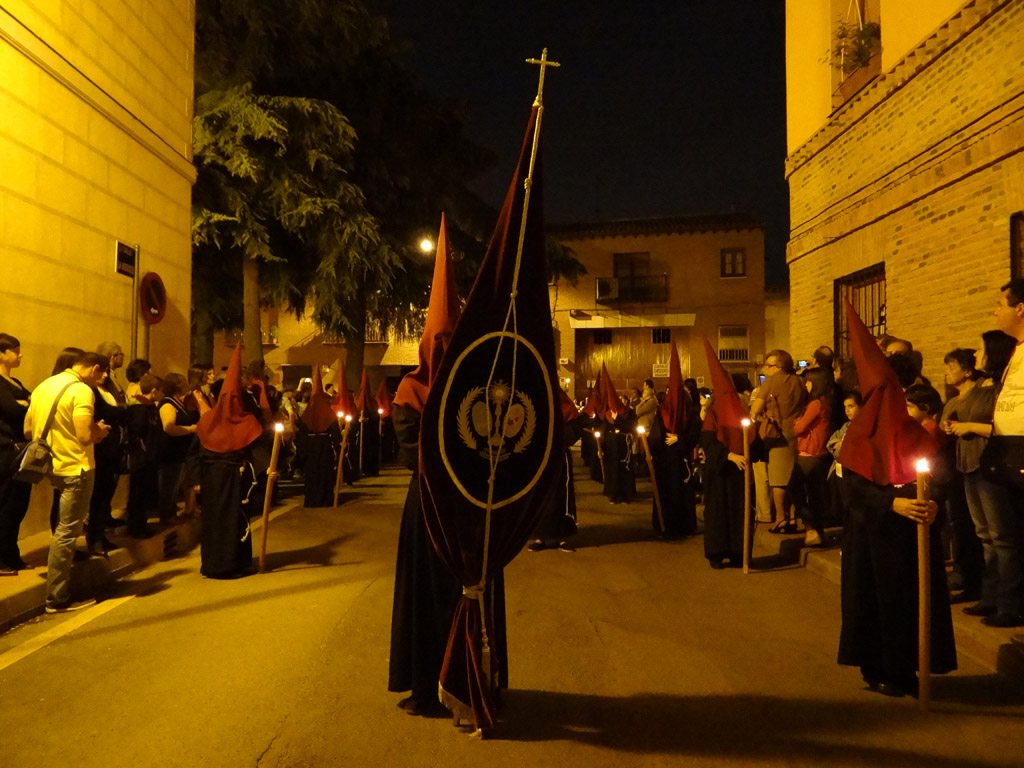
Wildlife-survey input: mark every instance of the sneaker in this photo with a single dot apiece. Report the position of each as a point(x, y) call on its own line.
point(564, 546)
point(68, 607)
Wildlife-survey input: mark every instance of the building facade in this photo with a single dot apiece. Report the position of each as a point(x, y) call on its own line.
point(651, 282)
point(96, 150)
point(907, 189)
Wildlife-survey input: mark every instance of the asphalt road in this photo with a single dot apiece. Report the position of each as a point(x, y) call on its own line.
point(627, 652)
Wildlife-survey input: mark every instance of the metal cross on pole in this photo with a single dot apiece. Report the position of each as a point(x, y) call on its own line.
point(544, 64)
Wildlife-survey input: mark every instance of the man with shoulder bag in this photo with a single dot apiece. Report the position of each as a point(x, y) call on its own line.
point(70, 434)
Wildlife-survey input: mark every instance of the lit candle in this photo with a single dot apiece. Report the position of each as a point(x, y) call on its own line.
point(267, 500)
point(923, 470)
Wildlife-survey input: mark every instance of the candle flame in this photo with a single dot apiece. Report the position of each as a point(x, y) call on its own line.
point(348, 417)
point(597, 435)
point(745, 422)
point(341, 414)
point(640, 430)
point(922, 466)
point(380, 411)
point(278, 427)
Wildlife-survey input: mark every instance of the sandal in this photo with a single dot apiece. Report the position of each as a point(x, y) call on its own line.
point(780, 527)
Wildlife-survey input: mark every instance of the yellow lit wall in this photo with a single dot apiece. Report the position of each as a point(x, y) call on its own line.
point(95, 147)
point(906, 23)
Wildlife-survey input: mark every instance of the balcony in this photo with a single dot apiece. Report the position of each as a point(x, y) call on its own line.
point(642, 289)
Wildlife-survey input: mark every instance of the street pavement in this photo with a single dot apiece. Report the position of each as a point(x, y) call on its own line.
point(627, 652)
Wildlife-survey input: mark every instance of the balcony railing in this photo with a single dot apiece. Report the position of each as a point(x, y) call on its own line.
point(649, 289)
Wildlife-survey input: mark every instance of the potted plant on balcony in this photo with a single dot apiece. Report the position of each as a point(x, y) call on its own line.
point(855, 50)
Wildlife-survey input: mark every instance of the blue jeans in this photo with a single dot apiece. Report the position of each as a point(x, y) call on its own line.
point(75, 492)
point(998, 526)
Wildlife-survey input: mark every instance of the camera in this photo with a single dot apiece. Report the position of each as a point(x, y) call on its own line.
point(801, 363)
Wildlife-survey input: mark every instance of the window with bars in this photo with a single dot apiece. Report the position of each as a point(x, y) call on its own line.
point(1017, 245)
point(865, 290)
point(733, 344)
point(602, 336)
point(734, 262)
point(661, 335)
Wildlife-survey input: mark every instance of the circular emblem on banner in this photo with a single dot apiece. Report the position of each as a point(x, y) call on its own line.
point(497, 414)
point(152, 298)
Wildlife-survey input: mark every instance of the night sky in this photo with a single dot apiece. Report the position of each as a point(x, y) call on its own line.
point(668, 107)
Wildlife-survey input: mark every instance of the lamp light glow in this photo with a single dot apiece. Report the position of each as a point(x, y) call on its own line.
point(426, 245)
point(341, 414)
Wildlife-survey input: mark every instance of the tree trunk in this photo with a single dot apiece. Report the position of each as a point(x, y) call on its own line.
point(355, 346)
point(202, 338)
point(252, 333)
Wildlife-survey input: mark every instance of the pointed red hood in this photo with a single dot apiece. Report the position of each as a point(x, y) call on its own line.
point(569, 409)
point(319, 415)
point(677, 408)
point(442, 315)
point(228, 427)
point(726, 414)
point(595, 400)
point(365, 404)
point(383, 398)
point(883, 443)
point(614, 407)
point(342, 399)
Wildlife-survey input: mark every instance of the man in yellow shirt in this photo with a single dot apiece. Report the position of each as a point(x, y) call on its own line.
point(71, 438)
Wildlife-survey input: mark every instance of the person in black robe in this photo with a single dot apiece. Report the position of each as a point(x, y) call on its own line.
point(559, 522)
point(879, 575)
point(369, 443)
point(425, 590)
point(318, 443)
point(616, 440)
point(723, 496)
point(226, 435)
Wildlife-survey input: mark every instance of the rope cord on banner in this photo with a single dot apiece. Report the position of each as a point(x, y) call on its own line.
point(511, 317)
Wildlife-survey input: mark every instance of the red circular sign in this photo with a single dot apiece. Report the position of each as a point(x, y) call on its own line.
point(152, 298)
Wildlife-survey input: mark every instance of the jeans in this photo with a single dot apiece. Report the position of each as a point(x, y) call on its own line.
point(998, 526)
point(75, 492)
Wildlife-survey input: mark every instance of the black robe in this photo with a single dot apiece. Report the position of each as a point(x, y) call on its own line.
point(879, 587)
point(368, 450)
point(426, 591)
point(317, 456)
point(619, 483)
point(673, 484)
point(559, 521)
point(723, 502)
point(226, 544)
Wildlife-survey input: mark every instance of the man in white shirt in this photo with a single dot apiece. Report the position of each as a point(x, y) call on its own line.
point(1009, 420)
point(71, 438)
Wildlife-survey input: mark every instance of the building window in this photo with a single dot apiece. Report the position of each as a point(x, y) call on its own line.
point(865, 290)
point(661, 335)
point(602, 336)
point(1017, 245)
point(734, 262)
point(733, 346)
point(630, 265)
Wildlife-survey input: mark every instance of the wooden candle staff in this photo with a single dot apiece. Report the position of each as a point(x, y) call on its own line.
point(746, 495)
point(924, 595)
point(268, 499)
point(362, 439)
point(654, 480)
point(344, 425)
point(600, 453)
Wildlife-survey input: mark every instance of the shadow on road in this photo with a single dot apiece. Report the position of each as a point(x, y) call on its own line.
point(308, 557)
point(741, 728)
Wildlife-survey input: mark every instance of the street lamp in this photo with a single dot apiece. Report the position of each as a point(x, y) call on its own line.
point(426, 245)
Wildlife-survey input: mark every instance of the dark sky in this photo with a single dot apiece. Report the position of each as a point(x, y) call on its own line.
point(665, 107)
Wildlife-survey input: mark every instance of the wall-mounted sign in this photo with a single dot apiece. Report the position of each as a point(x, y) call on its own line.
point(152, 298)
point(125, 259)
point(660, 370)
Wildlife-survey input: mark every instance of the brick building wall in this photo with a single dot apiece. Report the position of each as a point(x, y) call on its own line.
point(687, 251)
point(920, 171)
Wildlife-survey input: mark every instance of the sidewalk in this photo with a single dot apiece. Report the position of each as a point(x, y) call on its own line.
point(23, 597)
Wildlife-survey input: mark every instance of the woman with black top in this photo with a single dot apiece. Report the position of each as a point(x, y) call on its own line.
point(14, 495)
point(179, 431)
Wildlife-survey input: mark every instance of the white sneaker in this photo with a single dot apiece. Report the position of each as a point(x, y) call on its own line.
point(68, 607)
